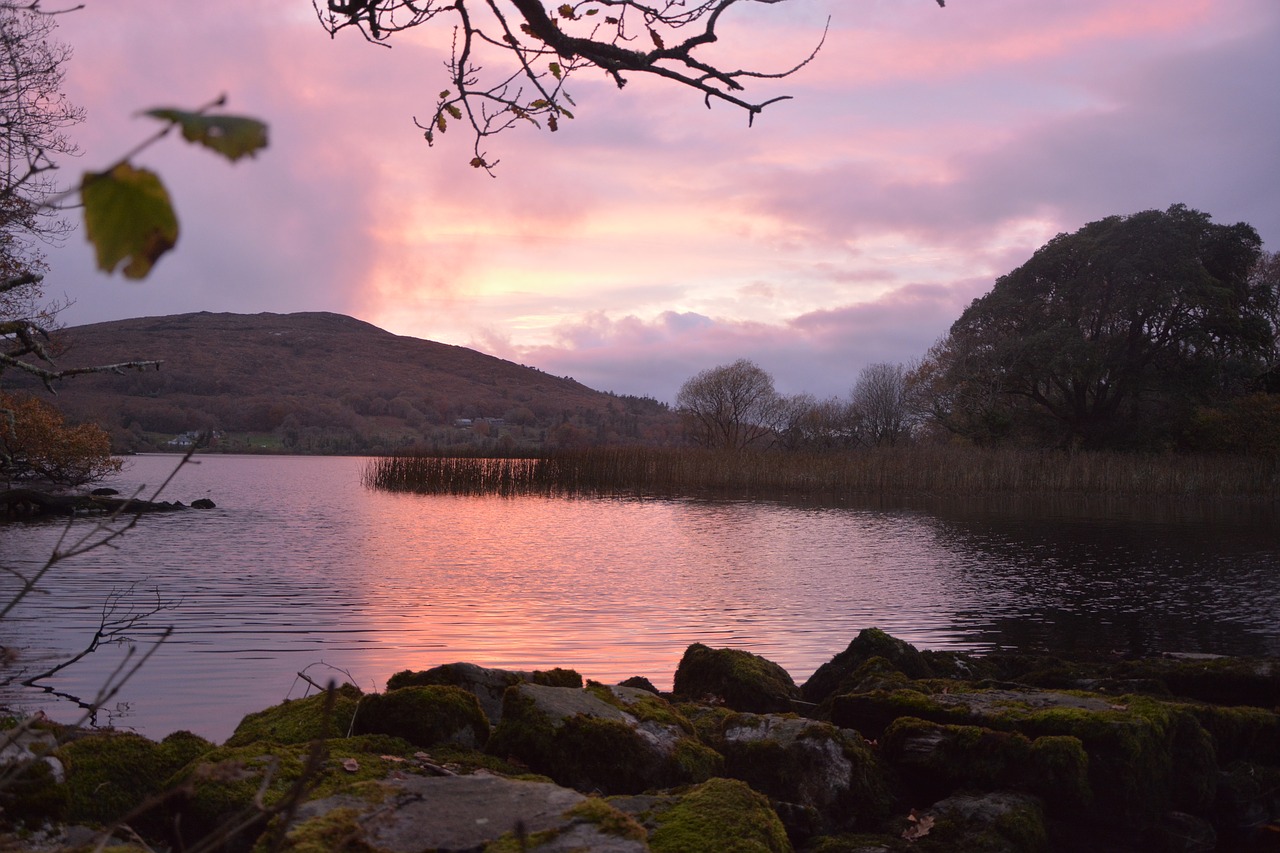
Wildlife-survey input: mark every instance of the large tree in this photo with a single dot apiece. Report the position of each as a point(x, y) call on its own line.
point(1111, 336)
point(511, 59)
point(731, 406)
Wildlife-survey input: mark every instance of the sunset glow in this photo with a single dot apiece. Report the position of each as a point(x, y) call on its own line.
point(925, 152)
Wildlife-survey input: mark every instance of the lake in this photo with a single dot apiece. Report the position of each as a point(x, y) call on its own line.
point(301, 567)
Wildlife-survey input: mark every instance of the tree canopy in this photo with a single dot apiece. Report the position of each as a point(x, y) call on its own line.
point(1112, 336)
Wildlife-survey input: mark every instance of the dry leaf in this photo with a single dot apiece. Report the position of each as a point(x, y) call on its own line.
point(391, 758)
point(919, 828)
point(351, 765)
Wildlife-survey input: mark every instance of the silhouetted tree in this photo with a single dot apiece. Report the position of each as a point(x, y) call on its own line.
point(731, 406)
point(1111, 337)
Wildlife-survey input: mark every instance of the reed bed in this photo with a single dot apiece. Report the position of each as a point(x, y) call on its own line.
point(899, 472)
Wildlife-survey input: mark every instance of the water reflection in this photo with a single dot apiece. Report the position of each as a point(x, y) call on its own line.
point(300, 565)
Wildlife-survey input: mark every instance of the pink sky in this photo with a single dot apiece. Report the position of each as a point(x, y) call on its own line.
point(926, 152)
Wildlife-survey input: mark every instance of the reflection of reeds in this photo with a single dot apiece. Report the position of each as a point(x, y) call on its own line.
point(894, 471)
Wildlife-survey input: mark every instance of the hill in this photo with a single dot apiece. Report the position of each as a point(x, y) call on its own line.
point(328, 383)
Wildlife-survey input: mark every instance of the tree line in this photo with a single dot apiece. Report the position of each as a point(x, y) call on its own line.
point(1156, 331)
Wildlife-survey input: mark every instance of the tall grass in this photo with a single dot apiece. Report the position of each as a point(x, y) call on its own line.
point(940, 471)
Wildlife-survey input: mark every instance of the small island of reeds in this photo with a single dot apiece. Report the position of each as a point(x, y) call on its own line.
point(898, 472)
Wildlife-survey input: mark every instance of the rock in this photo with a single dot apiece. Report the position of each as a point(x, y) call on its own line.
point(1145, 757)
point(488, 685)
point(104, 491)
point(32, 777)
point(718, 815)
point(203, 503)
point(738, 679)
point(300, 720)
point(463, 813)
point(625, 743)
point(998, 822)
point(640, 683)
point(870, 643)
point(821, 779)
point(425, 716)
point(936, 760)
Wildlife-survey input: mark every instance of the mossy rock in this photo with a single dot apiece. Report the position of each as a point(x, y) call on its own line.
point(1241, 733)
point(592, 824)
point(859, 843)
point(870, 643)
point(723, 815)
point(112, 773)
point(936, 760)
point(487, 684)
point(296, 721)
point(639, 682)
point(819, 778)
point(1208, 678)
point(585, 742)
point(224, 783)
point(741, 680)
point(31, 795)
point(1145, 756)
point(998, 822)
point(425, 716)
point(556, 677)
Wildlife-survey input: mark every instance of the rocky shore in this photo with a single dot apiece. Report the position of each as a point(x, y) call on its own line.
point(885, 749)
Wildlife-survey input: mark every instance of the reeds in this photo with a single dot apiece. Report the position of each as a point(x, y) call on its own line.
point(933, 471)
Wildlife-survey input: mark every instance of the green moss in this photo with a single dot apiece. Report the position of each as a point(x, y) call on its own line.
point(708, 720)
point(1241, 733)
point(556, 678)
point(639, 682)
point(1060, 768)
point(609, 820)
point(425, 716)
point(723, 815)
point(859, 843)
point(337, 831)
point(872, 712)
point(743, 681)
point(300, 720)
point(30, 795)
point(112, 773)
point(225, 781)
point(835, 675)
point(648, 707)
point(694, 762)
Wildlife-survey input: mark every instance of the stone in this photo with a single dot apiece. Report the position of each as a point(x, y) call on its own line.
point(488, 685)
point(425, 716)
point(832, 676)
point(741, 680)
point(820, 778)
point(462, 813)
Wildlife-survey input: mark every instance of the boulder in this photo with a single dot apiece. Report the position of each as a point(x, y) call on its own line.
point(820, 778)
point(462, 813)
point(832, 676)
point(488, 685)
point(739, 679)
point(300, 720)
point(717, 815)
point(935, 760)
point(425, 716)
point(997, 822)
point(1145, 757)
point(624, 741)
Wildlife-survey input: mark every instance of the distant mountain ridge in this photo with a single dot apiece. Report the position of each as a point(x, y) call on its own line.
point(320, 382)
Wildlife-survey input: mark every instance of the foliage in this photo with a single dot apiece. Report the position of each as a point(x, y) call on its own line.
point(731, 406)
point(1109, 337)
point(35, 442)
point(35, 116)
point(512, 60)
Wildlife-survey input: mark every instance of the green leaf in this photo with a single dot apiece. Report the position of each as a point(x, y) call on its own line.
point(537, 104)
point(231, 136)
point(593, 11)
point(554, 67)
point(128, 218)
point(454, 111)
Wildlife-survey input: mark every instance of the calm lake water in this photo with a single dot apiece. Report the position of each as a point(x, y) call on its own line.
point(302, 567)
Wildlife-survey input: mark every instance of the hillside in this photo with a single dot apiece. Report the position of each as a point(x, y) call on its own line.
point(328, 383)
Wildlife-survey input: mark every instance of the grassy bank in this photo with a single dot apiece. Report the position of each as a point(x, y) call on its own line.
point(941, 471)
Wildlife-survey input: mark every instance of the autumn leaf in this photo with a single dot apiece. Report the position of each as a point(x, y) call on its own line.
point(129, 219)
point(657, 40)
point(919, 828)
point(566, 11)
point(351, 765)
point(231, 136)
